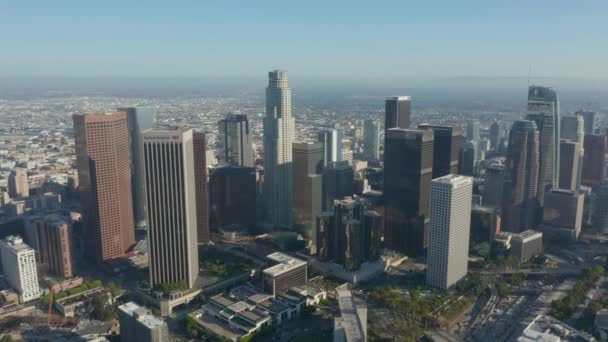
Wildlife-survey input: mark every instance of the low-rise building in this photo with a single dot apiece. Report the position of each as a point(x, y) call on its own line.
point(546, 328)
point(138, 325)
point(288, 272)
point(526, 245)
point(351, 326)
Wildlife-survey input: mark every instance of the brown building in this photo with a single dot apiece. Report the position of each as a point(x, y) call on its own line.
point(596, 147)
point(200, 183)
point(446, 149)
point(51, 237)
point(17, 184)
point(232, 192)
point(102, 160)
point(520, 191)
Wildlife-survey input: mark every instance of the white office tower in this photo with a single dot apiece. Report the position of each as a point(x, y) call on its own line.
point(448, 252)
point(279, 134)
point(371, 140)
point(170, 174)
point(19, 267)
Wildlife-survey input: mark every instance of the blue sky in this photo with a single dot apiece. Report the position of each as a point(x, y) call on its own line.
point(318, 40)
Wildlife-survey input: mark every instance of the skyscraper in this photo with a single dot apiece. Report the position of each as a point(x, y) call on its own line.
point(467, 158)
point(200, 184)
point(408, 168)
point(596, 147)
point(569, 164)
point(350, 234)
point(233, 193)
point(307, 184)
point(600, 209)
point(338, 182)
point(446, 149)
point(138, 120)
point(331, 140)
point(279, 133)
point(521, 178)
point(563, 215)
point(371, 139)
point(589, 119)
point(17, 184)
point(171, 177)
point(104, 174)
point(573, 129)
point(543, 109)
point(19, 267)
point(235, 140)
point(448, 254)
point(473, 130)
point(493, 186)
point(51, 237)
point(398, 113)
point(495, 136)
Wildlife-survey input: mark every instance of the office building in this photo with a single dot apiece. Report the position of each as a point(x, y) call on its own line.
point(398, 113)
point(494, 179)
point(51, 237)
point(467, 160)
point(279, 135)
point(371, 140)
point(17, 184)
point(573, 128)
point(200, 187)
point(331, 140)
point(589, 119)
point(495, 136)
point(307, 184)
point(351, 325)
point(347, 156)
point(137, 324)
point(350, 234)
point(446, 149)
point(235, 140)
point(594, 161)
point(139, 119)
point(485, 224)
point(233, 193)
point(473, 130)
point(543, 109)
point(171, 177)
point(448, 254)
point(520, 201)
point(570, 153)
point(338, 182)
point(408, 168)
point(104, 174)
point(563, 215)
point(287, 273)
point(600, 209)
point(526, 245)
point(19, 267)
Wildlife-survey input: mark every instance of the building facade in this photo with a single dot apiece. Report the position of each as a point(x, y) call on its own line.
point(338, 182)
point(448, 253)
point(446, 149)
point(520, 201)
point(398, 113)
point(19, 267)
point(594, 161)
point(287, 273)
point(371, 140)
point(137, 324)
point(235, 140)
point(104, 175)
point(569, 164)
point(307, 184)
point(233, 194)
point(563, 215)
point(331, 141)
point(170, 173)
point(17, 184)
point(279, 134)
point(408, 168)
point(200, 187)
point(51, 237)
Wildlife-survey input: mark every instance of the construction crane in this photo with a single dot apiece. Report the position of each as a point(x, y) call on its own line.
point(50, 308)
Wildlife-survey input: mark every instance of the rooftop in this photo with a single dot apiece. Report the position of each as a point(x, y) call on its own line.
point(349, 318)
point(548, 329)
point(456, 180)
point(286, 263)
point(400, 98)
point(15, 243)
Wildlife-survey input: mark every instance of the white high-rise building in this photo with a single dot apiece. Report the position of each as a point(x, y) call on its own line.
point(448, 252)
point(332, 145)
point(19, 267)
point(279, 134)
point(371, 139)
point(171, 174)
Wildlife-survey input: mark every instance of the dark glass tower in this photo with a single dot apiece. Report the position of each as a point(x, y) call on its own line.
point(445, 150)
point(520, 202)
point(408, 170)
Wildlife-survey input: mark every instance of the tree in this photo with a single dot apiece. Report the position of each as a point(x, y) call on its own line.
point(102, 310)
point(114, 288)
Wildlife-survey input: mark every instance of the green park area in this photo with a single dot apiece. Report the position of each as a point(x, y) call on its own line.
point(222, 264)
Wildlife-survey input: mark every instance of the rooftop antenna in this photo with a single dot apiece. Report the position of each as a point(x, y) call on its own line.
point(529, 74)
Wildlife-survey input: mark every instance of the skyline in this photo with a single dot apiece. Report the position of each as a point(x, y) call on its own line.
point(391, 41)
